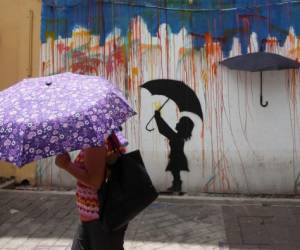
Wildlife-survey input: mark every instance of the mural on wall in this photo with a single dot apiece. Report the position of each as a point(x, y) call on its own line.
point(131, 42)
point(186, 100)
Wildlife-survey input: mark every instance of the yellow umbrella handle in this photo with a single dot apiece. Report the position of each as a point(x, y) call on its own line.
point(151, 129)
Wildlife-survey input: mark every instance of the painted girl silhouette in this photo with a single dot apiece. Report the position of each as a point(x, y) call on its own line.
point(177, 159)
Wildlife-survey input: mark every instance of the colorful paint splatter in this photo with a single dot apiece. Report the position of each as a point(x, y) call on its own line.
point(131, 42)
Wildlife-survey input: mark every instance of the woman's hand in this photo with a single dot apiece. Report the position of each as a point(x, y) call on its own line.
point(94, 172)
point(63, 160)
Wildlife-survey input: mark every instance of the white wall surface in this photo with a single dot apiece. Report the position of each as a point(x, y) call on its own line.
point(240, 147)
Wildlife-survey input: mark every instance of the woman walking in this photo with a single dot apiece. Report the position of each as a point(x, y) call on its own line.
point(90, 168)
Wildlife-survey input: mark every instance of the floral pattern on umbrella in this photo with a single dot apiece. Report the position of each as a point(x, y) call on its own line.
point(41, 117)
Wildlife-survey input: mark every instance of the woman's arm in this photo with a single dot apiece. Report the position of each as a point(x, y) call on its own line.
point(95, 162)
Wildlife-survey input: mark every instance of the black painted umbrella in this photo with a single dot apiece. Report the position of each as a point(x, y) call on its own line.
point(184, 97)
point(259, 62)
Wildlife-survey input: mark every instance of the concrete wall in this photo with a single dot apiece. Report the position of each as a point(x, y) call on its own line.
point(19, 57)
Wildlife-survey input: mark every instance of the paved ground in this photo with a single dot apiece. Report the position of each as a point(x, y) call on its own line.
point(42, 221)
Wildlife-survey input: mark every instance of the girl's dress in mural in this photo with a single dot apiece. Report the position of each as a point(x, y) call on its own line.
point(177, 159)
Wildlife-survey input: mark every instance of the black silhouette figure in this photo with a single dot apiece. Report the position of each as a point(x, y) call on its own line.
point(186, 100)
point(177, 159)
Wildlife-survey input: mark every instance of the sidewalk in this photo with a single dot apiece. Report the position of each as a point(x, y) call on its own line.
point(42, 221)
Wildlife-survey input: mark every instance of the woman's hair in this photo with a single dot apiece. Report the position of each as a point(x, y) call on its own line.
point(185, 127)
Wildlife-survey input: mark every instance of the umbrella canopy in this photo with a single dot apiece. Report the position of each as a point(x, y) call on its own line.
point(184, 97)
point(41, 117)
point(259, 62)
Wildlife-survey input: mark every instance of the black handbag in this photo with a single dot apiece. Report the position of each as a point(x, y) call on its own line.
point(126, 192)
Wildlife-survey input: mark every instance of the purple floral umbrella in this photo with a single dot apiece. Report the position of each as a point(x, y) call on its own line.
point(41, 117)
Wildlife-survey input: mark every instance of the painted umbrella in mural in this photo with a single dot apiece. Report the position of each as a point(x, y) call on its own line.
point(184, 97)
point(259, 62)
point(41, 117)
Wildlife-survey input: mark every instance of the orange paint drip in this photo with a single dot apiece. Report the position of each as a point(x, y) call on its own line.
point(129, 83)
point(135, 71)
point(148, 47)
point(195, 87)
point(213, 52)
point(272, 44)
point(119, 56)
point(43, 68)
point(94, 49)
point(204, 77)
point(293, 90)
point(182, 52)
point(295, 52)
point(208, 45)
point(291, 38)
point(167, 50)
point(202, 131)
point(214, 68)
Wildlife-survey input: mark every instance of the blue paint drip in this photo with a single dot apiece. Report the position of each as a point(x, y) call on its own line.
point(224, 20)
